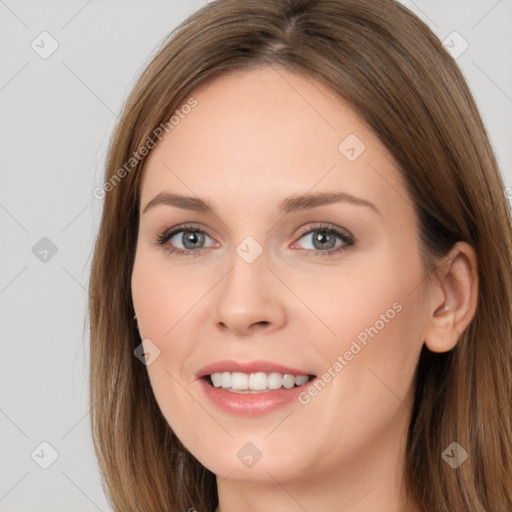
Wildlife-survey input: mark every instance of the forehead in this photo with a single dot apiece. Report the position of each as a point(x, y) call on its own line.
point(261, 134)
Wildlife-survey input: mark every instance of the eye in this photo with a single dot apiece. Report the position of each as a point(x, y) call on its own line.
point(190, 236)
point(323, 239)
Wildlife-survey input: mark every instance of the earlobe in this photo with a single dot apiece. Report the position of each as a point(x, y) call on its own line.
point(456, 299)
point(442, 335)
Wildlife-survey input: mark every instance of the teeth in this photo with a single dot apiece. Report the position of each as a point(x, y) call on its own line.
point(256, 382)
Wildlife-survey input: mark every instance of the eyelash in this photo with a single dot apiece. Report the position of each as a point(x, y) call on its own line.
point(162, 238)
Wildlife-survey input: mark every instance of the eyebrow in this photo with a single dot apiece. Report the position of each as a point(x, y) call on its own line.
point(288, 205)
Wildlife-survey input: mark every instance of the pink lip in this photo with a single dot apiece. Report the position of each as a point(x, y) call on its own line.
point(250, 367)
point(250, 404)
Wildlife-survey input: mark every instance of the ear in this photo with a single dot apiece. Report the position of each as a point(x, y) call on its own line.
point(454, 298)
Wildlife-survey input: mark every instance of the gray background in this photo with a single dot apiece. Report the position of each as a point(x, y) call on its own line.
point(56, 117)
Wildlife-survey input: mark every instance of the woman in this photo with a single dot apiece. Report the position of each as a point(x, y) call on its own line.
point(300, 292)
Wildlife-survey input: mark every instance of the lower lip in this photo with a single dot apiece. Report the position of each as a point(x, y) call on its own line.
point(246, 404)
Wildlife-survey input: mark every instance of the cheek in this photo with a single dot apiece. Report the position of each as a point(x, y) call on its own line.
point(163, 305)
point(362, 304)
point(375, 314)
point(167, 302)
point(163, 298)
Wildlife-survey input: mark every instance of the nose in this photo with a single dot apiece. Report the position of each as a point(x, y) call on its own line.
point(250, 298)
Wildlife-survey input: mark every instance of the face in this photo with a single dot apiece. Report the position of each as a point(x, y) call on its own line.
point(268, 284)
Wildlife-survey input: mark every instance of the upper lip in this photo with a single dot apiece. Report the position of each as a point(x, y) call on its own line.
point(248, 367)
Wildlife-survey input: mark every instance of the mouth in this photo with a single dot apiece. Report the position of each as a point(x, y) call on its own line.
point(255, 383)
point(253, 388)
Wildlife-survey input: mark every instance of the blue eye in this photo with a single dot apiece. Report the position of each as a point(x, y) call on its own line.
point(324, 237)
point(192, 238)
point(190, 235)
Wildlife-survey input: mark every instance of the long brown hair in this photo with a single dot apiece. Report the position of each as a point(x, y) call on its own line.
point(388, 65)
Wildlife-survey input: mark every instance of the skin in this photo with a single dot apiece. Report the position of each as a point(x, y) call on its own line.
point(254, 138)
